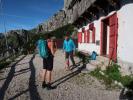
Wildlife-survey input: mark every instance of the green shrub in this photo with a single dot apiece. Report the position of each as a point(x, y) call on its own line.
point(78, 54)
point(126, 81)
point(4, 64)
point(96, 73)
point(84, 58)
point(113, 72)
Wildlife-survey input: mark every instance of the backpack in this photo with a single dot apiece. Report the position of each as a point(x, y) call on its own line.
point(93, 55)
point(43, 48)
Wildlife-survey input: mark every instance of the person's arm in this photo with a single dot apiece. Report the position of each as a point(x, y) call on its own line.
point(63, 46)
point(52, 48)
point(55, 46)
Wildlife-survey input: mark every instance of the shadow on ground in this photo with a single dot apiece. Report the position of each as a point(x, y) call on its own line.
point(68, 76)
point(127, 94)
point(34, 95)
point(8, 79)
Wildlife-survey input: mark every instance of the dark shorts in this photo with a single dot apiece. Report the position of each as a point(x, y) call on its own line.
point(68, 54)
point(48, 63)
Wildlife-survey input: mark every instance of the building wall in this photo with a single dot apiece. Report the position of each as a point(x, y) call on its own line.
point(91, 46)
point(125, 35)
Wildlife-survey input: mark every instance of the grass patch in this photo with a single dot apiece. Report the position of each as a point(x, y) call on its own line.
point(101, 76)
point(113, 72)
point(111, 75)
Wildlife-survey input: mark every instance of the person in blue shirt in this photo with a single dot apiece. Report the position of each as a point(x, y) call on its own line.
point(69, 49)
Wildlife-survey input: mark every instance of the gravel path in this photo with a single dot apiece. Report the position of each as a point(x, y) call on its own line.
point(21, 81)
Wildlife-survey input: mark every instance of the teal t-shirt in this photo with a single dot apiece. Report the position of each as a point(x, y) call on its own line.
point(68, 45)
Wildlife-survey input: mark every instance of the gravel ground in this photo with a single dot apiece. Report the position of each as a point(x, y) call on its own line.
point(21, 81)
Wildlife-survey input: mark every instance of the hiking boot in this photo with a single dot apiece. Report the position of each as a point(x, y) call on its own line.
point(73, 66)
point(44, 84)
point(49, 87)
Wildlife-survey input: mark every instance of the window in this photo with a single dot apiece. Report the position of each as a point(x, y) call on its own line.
point(85, 36)
point(88, 36)
point(92, 33)
point(91, 36)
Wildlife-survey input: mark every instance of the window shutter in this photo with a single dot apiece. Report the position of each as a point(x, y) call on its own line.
point(93, 35)
point(80, 37)
point(88, 36)
point(85, 35)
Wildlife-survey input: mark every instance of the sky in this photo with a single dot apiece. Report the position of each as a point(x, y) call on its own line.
point(26, 14)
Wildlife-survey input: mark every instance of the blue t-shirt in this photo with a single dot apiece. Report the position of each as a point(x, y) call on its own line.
point(68, 45)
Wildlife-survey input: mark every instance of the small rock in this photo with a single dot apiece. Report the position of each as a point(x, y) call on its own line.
point(101, 73)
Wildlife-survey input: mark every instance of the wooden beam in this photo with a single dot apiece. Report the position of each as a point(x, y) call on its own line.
point(112, 2)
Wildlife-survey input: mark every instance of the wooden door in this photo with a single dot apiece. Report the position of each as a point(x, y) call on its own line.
point(113, 24)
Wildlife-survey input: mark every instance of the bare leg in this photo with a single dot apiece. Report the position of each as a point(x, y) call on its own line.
point(44, 78)
point(72, 59)
point(49, 75)
point(67, 60)
point(44, 74)
point(67, 63)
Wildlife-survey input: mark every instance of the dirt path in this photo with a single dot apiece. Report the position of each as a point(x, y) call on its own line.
point(21, 82)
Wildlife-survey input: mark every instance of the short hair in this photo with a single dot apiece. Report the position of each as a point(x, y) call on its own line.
point(67, 34)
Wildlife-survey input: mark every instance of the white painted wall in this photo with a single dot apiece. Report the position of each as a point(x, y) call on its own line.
point(90, 47)
point(90, 36)
point(125, 33)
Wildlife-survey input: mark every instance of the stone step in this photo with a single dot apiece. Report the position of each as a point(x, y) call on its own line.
point(100, 61)
point(95, 62)
point(101, 58)
point(89, 68)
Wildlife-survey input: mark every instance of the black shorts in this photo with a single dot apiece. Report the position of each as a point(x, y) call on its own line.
point(68, 54)
point(48, 63)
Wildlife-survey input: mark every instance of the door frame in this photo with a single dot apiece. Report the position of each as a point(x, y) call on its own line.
point(102, 34)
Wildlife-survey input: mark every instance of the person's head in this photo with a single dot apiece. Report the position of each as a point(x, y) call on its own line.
point(40, 37)
point(67, 36)
point(48, 36)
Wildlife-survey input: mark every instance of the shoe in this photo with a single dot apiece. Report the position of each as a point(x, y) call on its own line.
point(73, 66)
point(67, 68)
point(49, 87)
point(44, 84)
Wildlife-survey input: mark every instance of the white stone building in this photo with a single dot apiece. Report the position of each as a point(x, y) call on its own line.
point(106, 27)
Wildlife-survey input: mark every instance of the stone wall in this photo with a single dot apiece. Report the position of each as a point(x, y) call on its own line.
point(56, 21)
point(75, 8)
